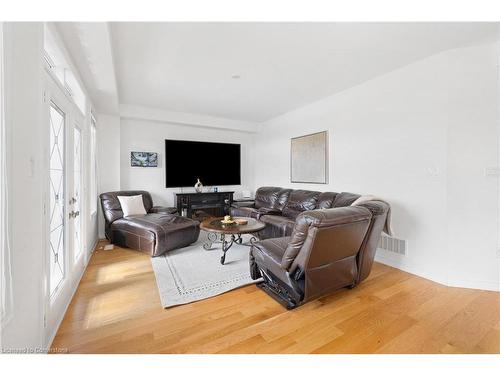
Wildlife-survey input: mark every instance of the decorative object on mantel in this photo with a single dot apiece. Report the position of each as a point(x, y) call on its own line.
point(143, 159)
point(309, 158)
point(198, 187)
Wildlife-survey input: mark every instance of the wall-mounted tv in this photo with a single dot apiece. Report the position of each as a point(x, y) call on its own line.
point(213, 163)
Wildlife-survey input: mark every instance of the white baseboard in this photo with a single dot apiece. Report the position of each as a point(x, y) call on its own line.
point(400, 263)
point(476, 284)
point(404, 265)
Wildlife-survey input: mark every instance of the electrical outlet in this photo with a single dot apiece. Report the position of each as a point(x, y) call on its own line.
point(492, 172)
point(433, 171)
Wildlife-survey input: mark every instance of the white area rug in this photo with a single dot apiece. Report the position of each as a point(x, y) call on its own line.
point(193, 273)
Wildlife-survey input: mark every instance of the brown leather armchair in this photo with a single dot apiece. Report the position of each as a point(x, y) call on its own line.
point(158, 231)
point(328, 249)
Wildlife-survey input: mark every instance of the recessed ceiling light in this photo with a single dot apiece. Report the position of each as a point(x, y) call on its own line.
point(235, 76)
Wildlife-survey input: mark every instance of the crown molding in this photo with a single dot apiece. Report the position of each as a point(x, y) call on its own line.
point(160, 115)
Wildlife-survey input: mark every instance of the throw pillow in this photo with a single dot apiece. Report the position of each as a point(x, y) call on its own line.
point(132, 205)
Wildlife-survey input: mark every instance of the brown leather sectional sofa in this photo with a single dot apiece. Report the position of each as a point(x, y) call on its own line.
point(159, 231)
point(314, 242)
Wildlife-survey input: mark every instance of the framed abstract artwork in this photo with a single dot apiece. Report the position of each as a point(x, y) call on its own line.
point(309, 158)
point(143, 159)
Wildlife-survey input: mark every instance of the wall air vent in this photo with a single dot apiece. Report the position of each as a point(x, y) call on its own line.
point(393, 245)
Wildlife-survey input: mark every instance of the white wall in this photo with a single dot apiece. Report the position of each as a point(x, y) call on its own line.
point(23, 91)
point(108, 159)
point(473, 145)
point(419, 137)
point(142, 135)
point(27, 178)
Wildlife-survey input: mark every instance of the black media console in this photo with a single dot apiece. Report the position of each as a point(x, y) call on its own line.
point(216, 204)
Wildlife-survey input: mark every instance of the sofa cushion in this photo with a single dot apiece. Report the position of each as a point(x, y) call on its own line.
point(325, 200)
point(345, 199)
point(271, 197)
point(276, 226)
point(267, 196)
point(163, 210)
point(299, 201)
point(274, 248)
point(283, 196)
point(243, 211)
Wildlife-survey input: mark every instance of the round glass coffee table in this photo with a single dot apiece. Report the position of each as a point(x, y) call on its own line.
point(227, 234)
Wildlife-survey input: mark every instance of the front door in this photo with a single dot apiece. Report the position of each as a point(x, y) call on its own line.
point(63, 201)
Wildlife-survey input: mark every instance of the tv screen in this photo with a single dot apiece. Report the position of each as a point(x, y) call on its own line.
point(213, 163)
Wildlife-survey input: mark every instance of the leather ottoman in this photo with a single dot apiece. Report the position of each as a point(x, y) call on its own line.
point(154, 233)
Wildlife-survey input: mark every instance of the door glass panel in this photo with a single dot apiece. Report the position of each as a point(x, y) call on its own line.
point(56, 192)
point(77, 178)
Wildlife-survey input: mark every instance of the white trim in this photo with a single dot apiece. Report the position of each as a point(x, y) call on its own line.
point(475, 284)
point(94, 187)
point(6, 295)
point(93, 247)
point(55, 37)
point(75, 285)
point(183, 118)
point(394, 262)
point(77, 127)
point(399, 263)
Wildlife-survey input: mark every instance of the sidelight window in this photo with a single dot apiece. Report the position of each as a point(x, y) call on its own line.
point(57, 240)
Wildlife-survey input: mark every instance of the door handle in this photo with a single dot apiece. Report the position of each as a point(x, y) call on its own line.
point(74, 214)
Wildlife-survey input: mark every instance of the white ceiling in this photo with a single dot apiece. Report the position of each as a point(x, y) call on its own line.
point(89, 45)
point(188, 67)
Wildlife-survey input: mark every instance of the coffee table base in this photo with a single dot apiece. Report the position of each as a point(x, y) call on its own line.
point(226, 242)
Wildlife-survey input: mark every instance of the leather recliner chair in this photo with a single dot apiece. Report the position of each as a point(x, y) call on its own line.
point(328, 249)
point(158, 231)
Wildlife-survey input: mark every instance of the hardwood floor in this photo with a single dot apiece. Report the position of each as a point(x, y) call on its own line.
point(117, 309)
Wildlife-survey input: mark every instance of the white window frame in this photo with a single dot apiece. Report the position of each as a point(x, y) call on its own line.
point(93, 165)
point(62, 71)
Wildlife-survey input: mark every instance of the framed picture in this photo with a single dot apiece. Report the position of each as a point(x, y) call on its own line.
point(143, 159)
point(309, 158)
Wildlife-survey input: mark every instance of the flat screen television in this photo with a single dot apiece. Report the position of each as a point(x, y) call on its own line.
point(213, 163)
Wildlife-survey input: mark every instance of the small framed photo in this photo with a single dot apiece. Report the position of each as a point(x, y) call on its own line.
point(143, 159)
